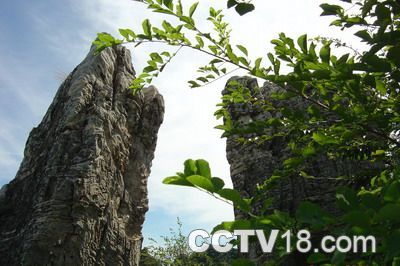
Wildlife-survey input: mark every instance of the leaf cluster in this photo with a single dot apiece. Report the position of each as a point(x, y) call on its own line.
point(349, 110)
point(173, 250)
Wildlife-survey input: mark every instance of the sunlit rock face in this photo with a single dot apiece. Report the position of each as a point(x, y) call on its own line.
point(80, 195)
point(251, 164)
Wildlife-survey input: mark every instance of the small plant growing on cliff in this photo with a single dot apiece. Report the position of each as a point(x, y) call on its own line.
point(352, 113)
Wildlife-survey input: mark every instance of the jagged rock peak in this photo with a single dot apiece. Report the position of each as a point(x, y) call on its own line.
point(80, 194)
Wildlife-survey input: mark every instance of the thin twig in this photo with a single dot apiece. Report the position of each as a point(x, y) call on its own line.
point(224, 200)
point(170, 58)
point(220, 77)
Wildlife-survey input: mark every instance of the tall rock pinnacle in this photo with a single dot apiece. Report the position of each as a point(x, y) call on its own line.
point(80, 195)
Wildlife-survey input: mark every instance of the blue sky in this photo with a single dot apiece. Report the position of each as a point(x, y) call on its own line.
point(42, 41)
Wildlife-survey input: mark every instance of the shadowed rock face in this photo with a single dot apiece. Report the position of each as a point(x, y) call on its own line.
point(252, 164)
point(80, 195)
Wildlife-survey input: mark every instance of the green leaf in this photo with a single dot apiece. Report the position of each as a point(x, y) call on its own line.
point(329, 10)
point(355, 21)
point(394, 55)
point(187, 20)
point(163, 11)
point(364, 35)
point(156, 57)
point(383, 13)
point(200, 41)
point(234, 196)
point(244, 8)
point(378, 153)
point(343, 59)
point(105, 37)
point(314, 111)
point(169, 4)
point(258, 62)
point(230, 194)
point(193, 84)
point(279, 219)
point(167, 26)
point(380, 86)
point(338, 258)
point(231, 3)
point(193, 9)
point(378, 64)
point(243, 61)
point(179, 10)
point(302, 42)
point(312, 53)
point(277, 67)
point(230, 55)
point(390, 213)
point(233, 225)
point(323, 139)
point(367, 7)
point(271, 58)
point(370, 200)
point(292, 162)
point(325, 53)
point(308, 151)
point(215, 61)
point(218, 183)
point(213, 12)
point(202, 79)
point(347, 198)
point(149, 69)
point(177, 180)
point(203, 168)
point(243, 49)
point(357, 218)
point(146, 27)
point(190, 167)
point(124, 33)
point(311, 214)
point(392, 192)
point(202, 182)
point(393, 244)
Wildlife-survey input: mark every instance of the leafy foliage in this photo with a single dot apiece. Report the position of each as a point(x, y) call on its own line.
point(174, 251)
point(352, 113)
point(241, 7)
point(197, 174)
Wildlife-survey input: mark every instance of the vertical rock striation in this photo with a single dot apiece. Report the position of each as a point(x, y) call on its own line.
point(80, 195)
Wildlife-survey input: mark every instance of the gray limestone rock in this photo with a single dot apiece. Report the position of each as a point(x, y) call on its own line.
point(80, 195)
point(251, 163)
